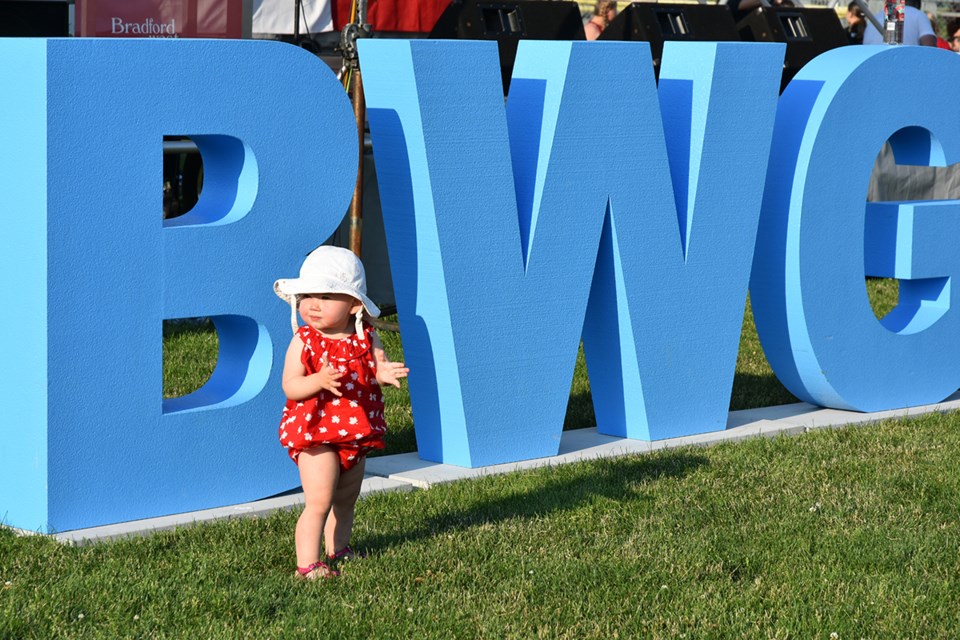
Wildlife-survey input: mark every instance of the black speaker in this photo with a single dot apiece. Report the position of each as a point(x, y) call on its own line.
point(508, 23)
point(657, 23)
point(808, 32)
point(34, 19)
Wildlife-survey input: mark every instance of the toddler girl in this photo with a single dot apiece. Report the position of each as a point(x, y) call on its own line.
point(334, 412)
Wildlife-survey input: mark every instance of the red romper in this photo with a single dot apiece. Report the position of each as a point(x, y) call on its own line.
point(352, 424)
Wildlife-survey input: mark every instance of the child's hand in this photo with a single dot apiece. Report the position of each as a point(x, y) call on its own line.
point(387, 372)
point(328, 377)
point(391, 372)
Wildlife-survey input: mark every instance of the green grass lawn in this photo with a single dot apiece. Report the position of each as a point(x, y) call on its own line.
point(853, 532)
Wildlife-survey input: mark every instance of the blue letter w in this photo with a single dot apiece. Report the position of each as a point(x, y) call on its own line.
point(504, 223)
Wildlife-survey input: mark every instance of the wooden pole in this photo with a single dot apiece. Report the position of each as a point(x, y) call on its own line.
point(356, 205)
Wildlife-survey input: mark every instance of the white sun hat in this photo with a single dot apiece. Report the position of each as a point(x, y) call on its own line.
point(328, 270)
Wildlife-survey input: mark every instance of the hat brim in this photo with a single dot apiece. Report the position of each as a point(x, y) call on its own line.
point(287, 289)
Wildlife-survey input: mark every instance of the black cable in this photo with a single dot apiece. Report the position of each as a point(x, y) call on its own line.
point(306, 26)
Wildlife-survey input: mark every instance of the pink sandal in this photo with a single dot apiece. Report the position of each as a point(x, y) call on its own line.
point(345, 555)
point(316, 571)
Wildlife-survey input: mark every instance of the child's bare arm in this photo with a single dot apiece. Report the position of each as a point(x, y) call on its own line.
point(297, 384)
point(387, 372)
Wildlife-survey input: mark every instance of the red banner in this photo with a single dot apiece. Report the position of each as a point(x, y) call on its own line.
point(159, 18)
point(393, 15)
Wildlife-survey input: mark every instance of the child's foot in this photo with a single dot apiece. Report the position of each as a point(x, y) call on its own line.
point(344, 555)
point(316, 571)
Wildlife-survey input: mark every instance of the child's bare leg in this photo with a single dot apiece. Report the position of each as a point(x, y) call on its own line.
point(340, 522)
point(319, 471)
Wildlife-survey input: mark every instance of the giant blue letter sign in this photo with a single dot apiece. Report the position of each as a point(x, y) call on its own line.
point(90, 271)
point(495, 220)
point(513, 232)
point(817, 239)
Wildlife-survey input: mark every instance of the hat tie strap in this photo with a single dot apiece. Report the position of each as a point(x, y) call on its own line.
point(293, 314)
point(359, 324)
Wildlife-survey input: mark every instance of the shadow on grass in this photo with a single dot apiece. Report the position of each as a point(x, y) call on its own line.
point(579, 411)
point(561, 489)
point(400, 439)
point(751, 391)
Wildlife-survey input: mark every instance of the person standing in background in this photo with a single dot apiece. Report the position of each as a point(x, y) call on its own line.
point(941, 43)
point(916, 28)
point(953, 34)
point(856, 23)
point(603, 13)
